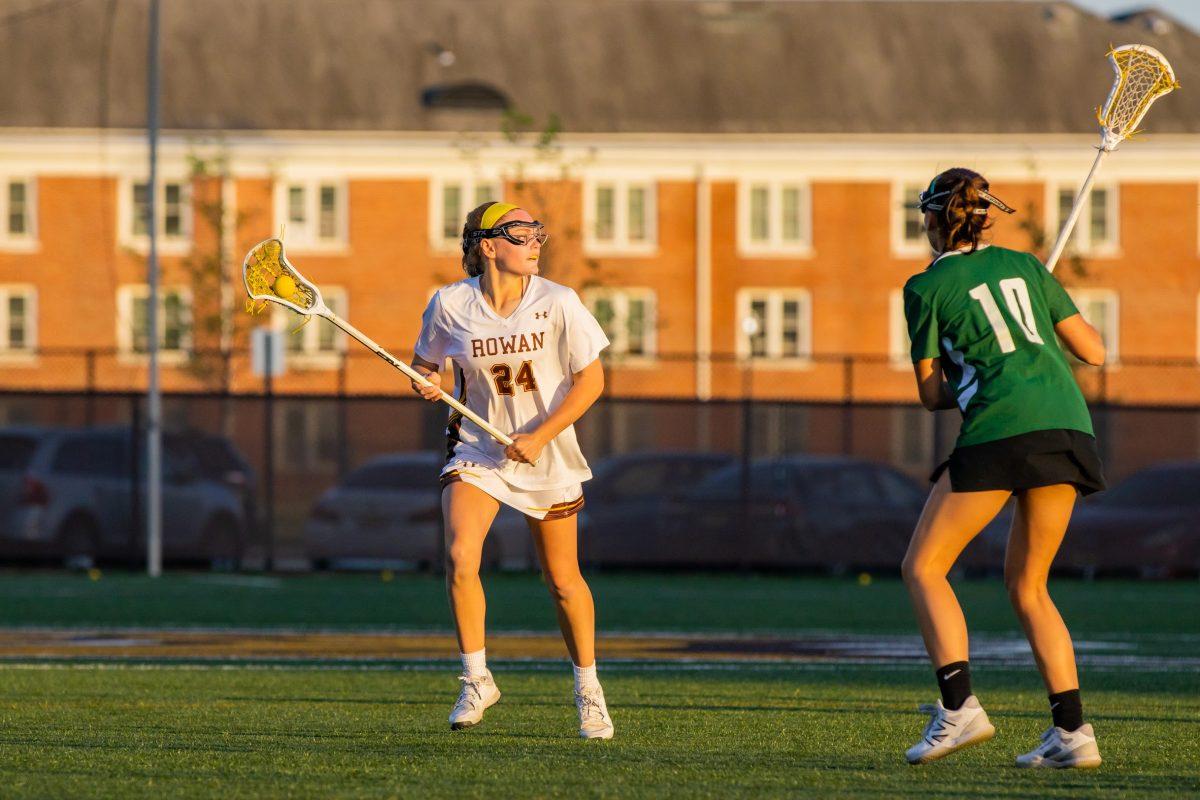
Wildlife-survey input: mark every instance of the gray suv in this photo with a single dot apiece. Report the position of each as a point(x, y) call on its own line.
point(70, 494)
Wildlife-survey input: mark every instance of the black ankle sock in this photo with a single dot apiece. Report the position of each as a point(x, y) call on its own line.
point(1067, 708)
point(955, 682)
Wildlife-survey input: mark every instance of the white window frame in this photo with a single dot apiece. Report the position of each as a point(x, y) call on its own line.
point(1080, 242)
point(1113, 322)
point(899, 346)
point(775, 298)
point(620, 244)
point(904, 192)
point(140, 243)
point(620, 297)
point(23, 242)
point(469, 184)
point(310, 355)
point(774, 245)
point(30, 293)
point(307, 237)
point(126, 294)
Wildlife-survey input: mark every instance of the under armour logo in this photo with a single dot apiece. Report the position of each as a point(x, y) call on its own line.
point(541, 315)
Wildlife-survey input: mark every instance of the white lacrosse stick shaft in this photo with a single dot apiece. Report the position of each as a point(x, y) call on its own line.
point(1065, 234)
point(1142, 76)
point(496, 434)
point(315, 307)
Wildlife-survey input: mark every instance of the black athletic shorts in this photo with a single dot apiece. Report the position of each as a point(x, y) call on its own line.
point(1039, 458)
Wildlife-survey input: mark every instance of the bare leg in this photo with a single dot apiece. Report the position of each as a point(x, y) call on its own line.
point(469, 512)
point(557, 548)
point(1037, 533)
point(947, 525)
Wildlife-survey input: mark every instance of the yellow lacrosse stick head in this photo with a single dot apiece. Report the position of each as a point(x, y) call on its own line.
point(1142, 76)
point(270, 278)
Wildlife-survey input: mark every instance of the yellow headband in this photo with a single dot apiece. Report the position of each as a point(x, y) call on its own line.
point(494, 212)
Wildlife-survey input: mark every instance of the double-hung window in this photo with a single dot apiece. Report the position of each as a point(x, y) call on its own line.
point(315, 213)
point(173, 214)
point(908, 223)
point(1096, 229)
point(174, 320)
point(1101, 308)
point(774, 218)
point(627, 316)
point(774, 324)
point(18, 219)
point(317, 342)
point(620, 216)
point(18, 320)
point(451, 200)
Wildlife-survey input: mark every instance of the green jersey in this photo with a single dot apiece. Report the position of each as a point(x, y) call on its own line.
point(990, 316)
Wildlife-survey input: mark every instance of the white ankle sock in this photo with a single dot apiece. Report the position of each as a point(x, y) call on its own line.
point(475, 663)
point(585, 677)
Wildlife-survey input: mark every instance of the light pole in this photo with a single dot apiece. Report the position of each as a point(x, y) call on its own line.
point(153, 392)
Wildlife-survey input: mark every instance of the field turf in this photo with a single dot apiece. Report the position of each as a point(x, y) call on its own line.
point(246, 728)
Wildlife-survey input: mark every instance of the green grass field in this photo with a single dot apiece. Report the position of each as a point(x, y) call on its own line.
point(250, 728)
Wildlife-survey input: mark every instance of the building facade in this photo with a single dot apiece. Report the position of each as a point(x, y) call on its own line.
point(750, 242)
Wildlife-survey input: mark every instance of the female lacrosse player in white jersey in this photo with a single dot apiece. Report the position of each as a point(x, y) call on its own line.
point(525, 357)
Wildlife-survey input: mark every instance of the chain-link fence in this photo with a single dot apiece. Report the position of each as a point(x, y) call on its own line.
point(339, 478)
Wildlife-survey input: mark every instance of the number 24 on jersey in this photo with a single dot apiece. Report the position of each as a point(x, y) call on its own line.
point(502, 374)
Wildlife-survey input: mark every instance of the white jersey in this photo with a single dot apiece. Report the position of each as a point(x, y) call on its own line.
point(513, 372)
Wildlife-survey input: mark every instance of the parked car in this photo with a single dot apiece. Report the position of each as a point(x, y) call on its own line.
point(219, 460)
point(625, 497)
point(795, 511)
point(75, 494)
point(388, 511)
point(1147, 524)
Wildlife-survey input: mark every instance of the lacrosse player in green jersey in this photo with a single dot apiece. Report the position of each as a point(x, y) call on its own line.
point(985, 323)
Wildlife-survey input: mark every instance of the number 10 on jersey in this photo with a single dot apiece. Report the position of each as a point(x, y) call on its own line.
point(1016, 297)
point(502, 374)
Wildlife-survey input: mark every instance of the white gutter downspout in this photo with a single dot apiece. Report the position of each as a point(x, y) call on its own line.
point(703, 284)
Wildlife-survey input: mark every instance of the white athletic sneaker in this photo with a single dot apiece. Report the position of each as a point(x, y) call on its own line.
point(949, 731)
point(478, 694)
point(594, 721)
point(1060, 749)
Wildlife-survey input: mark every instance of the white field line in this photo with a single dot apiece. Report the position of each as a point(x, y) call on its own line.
point(373, 664)
point(526, 665)
point(1116, 639)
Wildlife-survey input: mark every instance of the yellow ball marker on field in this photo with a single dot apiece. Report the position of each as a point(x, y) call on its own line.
point(284, 286)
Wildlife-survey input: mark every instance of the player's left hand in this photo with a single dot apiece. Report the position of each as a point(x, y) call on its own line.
point(526, 448)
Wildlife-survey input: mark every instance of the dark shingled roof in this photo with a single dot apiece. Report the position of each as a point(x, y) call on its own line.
point(620, 66)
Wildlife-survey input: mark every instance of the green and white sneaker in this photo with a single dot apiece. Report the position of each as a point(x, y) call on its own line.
point(594, 721)
point(1061, 750)
point(478, 694)
point(949, 731)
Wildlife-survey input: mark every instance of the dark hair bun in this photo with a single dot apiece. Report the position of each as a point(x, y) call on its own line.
point(960, 221)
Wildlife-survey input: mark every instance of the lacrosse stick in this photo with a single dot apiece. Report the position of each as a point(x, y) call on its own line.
point(1143, 76)
point(271, 278)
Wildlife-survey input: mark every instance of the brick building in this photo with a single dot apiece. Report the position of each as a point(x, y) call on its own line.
point(737, 232)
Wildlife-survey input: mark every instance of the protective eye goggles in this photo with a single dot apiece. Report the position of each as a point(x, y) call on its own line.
point(517, 232)
point(927, 201)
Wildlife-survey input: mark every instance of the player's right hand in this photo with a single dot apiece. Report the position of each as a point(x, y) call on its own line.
point(429, 392)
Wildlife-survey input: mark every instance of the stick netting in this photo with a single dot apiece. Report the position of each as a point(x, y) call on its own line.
point(261, 270)
point(1143, 76)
